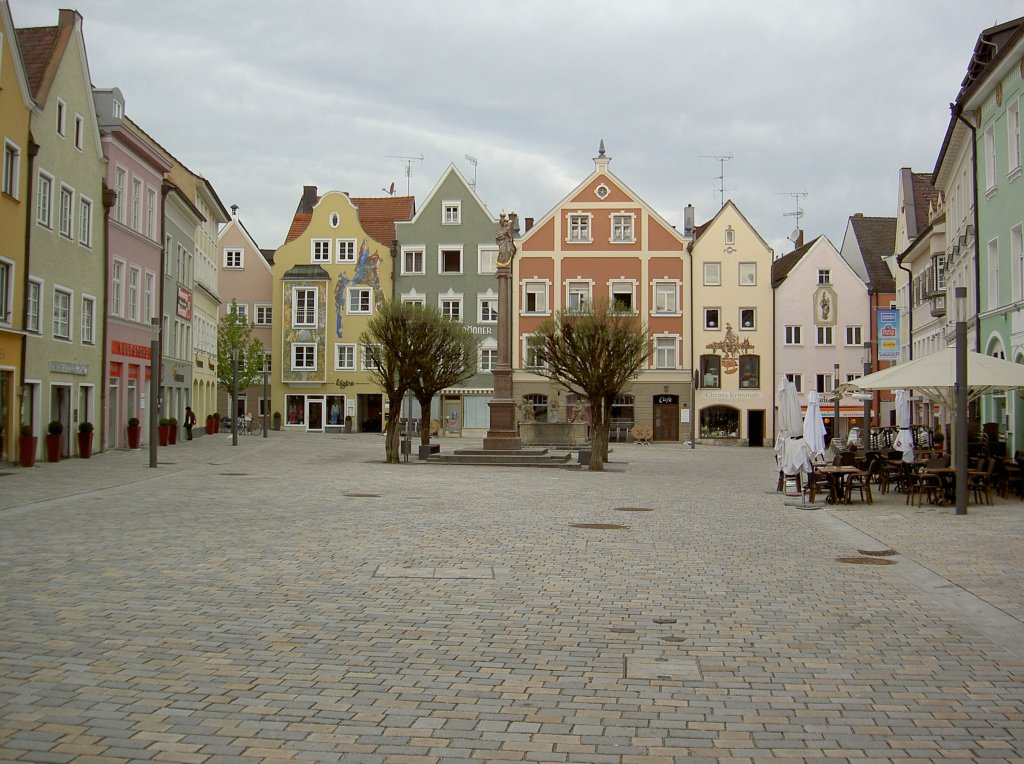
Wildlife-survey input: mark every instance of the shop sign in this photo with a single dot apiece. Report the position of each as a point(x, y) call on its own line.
point(729, 395)
point(184, 304)
point(130, 349)
point(481, 329)
point(78, 369)
point(667, 399)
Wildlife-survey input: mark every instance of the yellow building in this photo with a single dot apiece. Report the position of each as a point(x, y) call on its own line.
point(15, 111)
point(733, 342)
point(331, 273)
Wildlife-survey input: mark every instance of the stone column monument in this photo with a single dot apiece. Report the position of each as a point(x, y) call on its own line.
point(502, 435)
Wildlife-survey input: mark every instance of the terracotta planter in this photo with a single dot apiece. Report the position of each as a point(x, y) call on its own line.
point(216, 425)
point(165, 434)
point(172, 432)
point(53, 447)
point(27, 450)
point(84, 445)
point(209, 427)
point(134, 436)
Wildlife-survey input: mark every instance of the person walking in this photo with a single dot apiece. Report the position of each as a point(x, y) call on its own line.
point(190, 420)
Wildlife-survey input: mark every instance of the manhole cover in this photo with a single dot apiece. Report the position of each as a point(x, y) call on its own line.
point(234, 474)
point(632, 509)
point(622, 630)
point(362, 495)
point(866, 560)
point(878, 552)
point(599, 526)
point(678, 669)
point(673, 639)
point(664, 620)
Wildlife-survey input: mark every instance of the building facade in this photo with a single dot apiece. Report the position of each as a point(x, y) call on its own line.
point(64, 372)
point(446, 258)
point(733, 342)
point(334, 268)
point(603, 242)
point(16, 107)
point(134, 225)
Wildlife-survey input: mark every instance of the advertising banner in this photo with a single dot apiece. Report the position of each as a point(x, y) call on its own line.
point(888, 335)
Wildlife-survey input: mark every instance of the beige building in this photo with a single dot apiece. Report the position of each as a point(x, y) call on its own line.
point(732, 319)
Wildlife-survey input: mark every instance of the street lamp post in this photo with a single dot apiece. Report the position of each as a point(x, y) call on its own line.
point(154, 390)
point(835, 392)
point(960, 400)
point(266, 401)
point(234, 396)
point(866, 426)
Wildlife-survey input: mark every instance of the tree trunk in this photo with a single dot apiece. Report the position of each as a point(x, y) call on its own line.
point(425, 420)
point(392, 431)
point(598, 439)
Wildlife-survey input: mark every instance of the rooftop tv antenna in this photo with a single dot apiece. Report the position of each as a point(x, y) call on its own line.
point(797, 212)
point(408, 167)
point(721, 159)
point(472, 161)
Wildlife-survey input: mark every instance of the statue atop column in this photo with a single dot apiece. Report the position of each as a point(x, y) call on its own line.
point(506, 238)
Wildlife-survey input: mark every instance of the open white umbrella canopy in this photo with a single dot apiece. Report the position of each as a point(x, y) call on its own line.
point(904, 438)
point(934, 376)
point(814, 427)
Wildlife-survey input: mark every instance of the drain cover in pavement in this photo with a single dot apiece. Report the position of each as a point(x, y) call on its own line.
point(666, 669)
point(622, 630)
point(672, 639)
point(878, 552)
point(664, 620)
point(599, 526)
point(362, 495)
point(633, 509)
point(234, 474)
point(866, 560)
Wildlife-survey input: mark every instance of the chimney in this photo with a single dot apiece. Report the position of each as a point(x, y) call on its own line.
point(799, 238)
point(529, 224)
point(234, 210)
point(308, 201)
point(688, 213)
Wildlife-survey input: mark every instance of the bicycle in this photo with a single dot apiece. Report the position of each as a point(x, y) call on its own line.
point(250, 425)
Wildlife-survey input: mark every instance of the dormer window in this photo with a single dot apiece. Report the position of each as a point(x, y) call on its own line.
point(118, 110)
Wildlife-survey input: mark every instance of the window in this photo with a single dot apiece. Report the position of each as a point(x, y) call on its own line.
point(825, 335)
point(449, 260)
point(665, 352)
point(240, 309)
point(990, 158)
point(452, 213)
point(940, 273)
point(797, 380)
point(711, 371)
point(264, 314)
point(413, 299)
point(44, 200)
point(730, 235)
point(412, 261)
point(853, 335)
point(33, 306)
point(346, 250)
point(794, 335)
point(712, 318)
point(360, 299)
point(303, 306)
point(824, 382)
point(268, 362)
point(67, 200)
point(88, 321)
point(79, 131)
point(993, 274)
point(84, 221)
point(622, 296)
point(578, 296)
point(147, 298)
point(824, 276)
point(116, 288)
point(1013, 136)
point(488, 359)
point(6, 290)
point(150, 213)
point(371, 357)
point(535, 297)
point(535, 353)
point(234, 258)
point(320, 250)
point(133, 293)
point(538, 402)
point(344, 357)
point(1017, 260)
point(666, 297)
point(61, 314)
point(712, 274)
point(750, 371)
point(136, 205)
point(748, 274)
point(622, 228)
point(303, 356)
point(12, 169)
point(579, 228)
point(451, 308)
point(118, 109)
point(748, 319)
point(62, 114)
point(488, 313)
point(119, 178)
point(488, 260)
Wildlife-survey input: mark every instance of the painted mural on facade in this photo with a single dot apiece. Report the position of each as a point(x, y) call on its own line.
point(292, 334)
point(366, 275)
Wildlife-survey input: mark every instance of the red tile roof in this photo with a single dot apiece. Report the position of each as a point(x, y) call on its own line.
point(299, 224)
point(37, 45)
point(377, 215)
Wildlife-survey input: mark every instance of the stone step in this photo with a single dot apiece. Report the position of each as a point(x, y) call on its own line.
point(524, 458)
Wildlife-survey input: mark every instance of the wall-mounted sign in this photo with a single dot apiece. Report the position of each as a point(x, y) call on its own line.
point(78, 369)
point(888, 335)
point(184, 304)
point(481, 329)
point(130, 349)
point(669, 399)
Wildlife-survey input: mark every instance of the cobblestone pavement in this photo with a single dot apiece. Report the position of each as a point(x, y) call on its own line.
point(295, 598)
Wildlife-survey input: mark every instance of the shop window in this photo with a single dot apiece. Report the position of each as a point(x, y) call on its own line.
point(295, 405)
point(711, 371)
point(720, 422)
point(750, 371)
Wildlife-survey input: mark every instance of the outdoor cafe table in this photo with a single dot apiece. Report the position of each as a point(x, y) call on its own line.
point(836, 479)
point(947, 476)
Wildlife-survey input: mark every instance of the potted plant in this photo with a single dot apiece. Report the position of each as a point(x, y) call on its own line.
point(27, 446)
point(216, 421)
point(134, 433)
point(277, 420)
point(209, 424)
point(165, 430)
point(85, 439)
point(54, 430)
point(172, 432)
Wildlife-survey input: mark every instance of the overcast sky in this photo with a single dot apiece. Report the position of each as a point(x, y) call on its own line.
point(827, 97)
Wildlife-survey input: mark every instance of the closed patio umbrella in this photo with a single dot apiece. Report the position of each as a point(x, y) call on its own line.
point(904, 438)
point(814, 427)
point(791, 450)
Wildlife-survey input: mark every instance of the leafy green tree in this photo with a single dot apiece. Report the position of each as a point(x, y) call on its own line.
point(234, 332)
point(594, 353)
